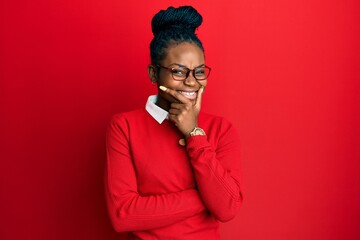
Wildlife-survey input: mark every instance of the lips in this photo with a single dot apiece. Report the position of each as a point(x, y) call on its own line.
point(188, 94)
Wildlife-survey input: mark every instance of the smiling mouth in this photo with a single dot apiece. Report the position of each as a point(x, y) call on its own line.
point(190, 95)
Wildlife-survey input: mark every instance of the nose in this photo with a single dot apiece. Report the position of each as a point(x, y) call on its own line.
point(190, 80)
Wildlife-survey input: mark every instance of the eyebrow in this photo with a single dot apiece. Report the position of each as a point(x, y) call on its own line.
point(180, 65)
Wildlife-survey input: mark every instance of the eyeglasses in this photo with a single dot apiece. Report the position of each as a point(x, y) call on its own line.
point(181, 73)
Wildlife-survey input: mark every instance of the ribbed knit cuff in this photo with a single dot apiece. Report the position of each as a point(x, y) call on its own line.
point(195, 144)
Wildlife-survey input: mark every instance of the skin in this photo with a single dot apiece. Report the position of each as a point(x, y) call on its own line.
point(183, 110)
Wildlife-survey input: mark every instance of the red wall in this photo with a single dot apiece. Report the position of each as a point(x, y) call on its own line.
point(286, 73)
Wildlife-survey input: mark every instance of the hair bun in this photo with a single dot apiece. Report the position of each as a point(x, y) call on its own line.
point(184, 17)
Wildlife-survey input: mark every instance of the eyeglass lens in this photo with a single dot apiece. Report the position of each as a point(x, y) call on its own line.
point(200, 73)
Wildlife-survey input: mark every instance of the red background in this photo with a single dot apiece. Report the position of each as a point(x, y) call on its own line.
point(286, 73)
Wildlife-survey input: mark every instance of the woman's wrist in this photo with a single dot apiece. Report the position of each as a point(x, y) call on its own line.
point(196, 132)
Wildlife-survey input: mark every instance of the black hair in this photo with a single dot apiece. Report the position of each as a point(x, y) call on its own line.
point(173, 26)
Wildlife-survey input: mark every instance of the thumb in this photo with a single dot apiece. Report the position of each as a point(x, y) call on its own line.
point(199, 97)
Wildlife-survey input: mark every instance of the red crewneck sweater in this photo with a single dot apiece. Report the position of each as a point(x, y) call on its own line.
point(158, 189)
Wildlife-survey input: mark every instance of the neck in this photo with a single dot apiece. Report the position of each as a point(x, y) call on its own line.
point(162, 103)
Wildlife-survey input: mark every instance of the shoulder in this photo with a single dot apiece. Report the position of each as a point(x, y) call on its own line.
point(125, 119)
point(217, 128)
point(129, 115)
point(211, 120)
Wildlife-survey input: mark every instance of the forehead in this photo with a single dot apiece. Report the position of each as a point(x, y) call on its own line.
point(187, 54)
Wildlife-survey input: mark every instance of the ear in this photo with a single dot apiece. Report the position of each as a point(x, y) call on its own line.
point(152, 73)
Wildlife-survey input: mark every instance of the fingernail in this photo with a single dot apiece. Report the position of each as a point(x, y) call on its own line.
point(163, 88)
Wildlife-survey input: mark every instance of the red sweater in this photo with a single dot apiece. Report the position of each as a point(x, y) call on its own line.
point(158, 189)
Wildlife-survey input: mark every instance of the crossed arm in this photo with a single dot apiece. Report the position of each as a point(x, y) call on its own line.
point(216, 173)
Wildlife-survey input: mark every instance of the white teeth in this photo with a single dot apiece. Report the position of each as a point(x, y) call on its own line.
point(187, 93)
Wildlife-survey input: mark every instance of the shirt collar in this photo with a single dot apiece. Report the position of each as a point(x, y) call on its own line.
point(155, 111)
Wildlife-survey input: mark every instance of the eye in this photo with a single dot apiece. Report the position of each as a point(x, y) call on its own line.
point(178, 72)
point(200, 72)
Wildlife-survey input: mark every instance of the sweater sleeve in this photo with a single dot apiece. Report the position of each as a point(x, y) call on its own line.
point(217, 171)
point(128, 210)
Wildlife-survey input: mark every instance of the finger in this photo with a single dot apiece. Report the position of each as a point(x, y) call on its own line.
point(177, 105)
point(175, 94)
point(199, 97)
point(172, 117)
point(174, 111)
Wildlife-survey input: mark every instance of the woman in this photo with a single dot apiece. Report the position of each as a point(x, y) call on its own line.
point(173, 172)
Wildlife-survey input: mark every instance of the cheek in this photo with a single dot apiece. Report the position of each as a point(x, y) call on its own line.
point(165, 80)
point(169, 83)
point(203, 83)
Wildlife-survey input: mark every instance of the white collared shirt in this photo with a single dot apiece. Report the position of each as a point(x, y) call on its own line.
point(154, 110)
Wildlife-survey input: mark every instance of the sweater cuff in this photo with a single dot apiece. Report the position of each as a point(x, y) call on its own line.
point(195, 144)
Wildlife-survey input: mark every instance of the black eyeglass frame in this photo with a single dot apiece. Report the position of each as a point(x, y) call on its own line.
point(170, 69)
